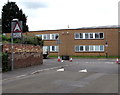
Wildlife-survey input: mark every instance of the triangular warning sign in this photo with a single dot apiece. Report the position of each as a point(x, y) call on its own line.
point(17, 28)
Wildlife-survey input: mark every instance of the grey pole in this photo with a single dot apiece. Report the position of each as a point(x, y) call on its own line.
point(12, 52)
point(12, 46)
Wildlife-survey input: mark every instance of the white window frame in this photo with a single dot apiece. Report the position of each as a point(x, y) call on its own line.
point(56, 49)
point(49, 36)
point(89, 35)
point(84, 48)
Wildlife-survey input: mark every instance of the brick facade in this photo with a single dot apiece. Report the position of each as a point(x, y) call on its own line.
point(111, 35)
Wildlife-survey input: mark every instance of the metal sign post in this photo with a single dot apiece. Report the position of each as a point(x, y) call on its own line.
point(16, 32)
point(106, 45)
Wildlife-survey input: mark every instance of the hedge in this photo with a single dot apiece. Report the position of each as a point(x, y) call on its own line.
point(5, 62)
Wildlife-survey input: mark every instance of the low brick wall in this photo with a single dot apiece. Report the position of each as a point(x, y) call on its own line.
point(24, 55)
point(26, 59)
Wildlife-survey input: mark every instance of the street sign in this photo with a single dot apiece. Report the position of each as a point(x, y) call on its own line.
point(16, 29)
point(17, 35)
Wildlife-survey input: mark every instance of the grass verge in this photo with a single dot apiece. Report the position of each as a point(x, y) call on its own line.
point(54, 56)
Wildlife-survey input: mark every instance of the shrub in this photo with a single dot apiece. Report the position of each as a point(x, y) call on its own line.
point(5, 62)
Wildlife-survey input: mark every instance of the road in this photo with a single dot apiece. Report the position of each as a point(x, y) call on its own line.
point(100, 76)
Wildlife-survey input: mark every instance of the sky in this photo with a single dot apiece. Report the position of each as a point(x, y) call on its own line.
point(59, 14)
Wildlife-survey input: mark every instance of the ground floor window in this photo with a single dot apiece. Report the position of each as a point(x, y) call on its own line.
point(52, 48)
point(86, 48)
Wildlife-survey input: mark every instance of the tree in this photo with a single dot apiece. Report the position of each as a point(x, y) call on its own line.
point(11, 11)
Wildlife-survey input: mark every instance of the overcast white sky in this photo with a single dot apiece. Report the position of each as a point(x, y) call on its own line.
point(58, 14)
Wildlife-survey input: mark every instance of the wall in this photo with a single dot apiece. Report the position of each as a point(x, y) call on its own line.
point(24, 55)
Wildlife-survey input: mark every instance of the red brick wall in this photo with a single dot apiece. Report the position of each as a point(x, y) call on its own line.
point(24, 55)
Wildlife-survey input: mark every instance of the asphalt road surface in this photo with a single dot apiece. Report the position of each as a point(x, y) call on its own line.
point(78, 76)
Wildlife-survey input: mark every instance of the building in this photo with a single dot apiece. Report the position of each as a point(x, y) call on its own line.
point(91, 41)
point(86, 41)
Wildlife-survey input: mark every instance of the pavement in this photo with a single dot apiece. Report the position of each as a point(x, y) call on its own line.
point(53, 64)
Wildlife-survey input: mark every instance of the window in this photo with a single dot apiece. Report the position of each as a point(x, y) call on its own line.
point(56, 36)
point(91, 48)
point(81, 35)
point(48, 36)
point(86, 36)
point(86, 48)
point(53, 48)
point(91, 35)
point(81, 48)
point(77, 48)
point(96, 48)
point(53, 36)
point(77, 35)
point(101, 48)
point(44, 36)
point(101, 35)
point(97, 35)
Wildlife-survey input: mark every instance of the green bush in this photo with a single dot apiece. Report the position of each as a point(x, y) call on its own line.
point(5, 66)
point(7, 39)
point(25, 40)
point(33, 40)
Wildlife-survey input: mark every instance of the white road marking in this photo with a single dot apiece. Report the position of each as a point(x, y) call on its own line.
point(15, 77)
point(35, 72)
point(85, 70)
point(61, 70)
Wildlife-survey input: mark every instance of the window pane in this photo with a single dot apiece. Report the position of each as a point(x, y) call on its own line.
point(97, 35)
point(57, 49)
point(77, 48)
point(96, 48)
point(81, 48)
point(101, 48)
point(101, 35)
point(53, 37)
point(81, 35)
point(86, 35)
point(44, 36)
point(91, 48)
point(48, 36)
point(53, 48)
point(86, 48)
point(56, 36)
point(91, 35)
point(77, 35)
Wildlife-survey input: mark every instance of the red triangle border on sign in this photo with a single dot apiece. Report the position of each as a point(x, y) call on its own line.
point(15, 27)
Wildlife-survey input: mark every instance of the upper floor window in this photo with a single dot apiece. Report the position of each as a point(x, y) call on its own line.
point(89, 35)
point(48, 36)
